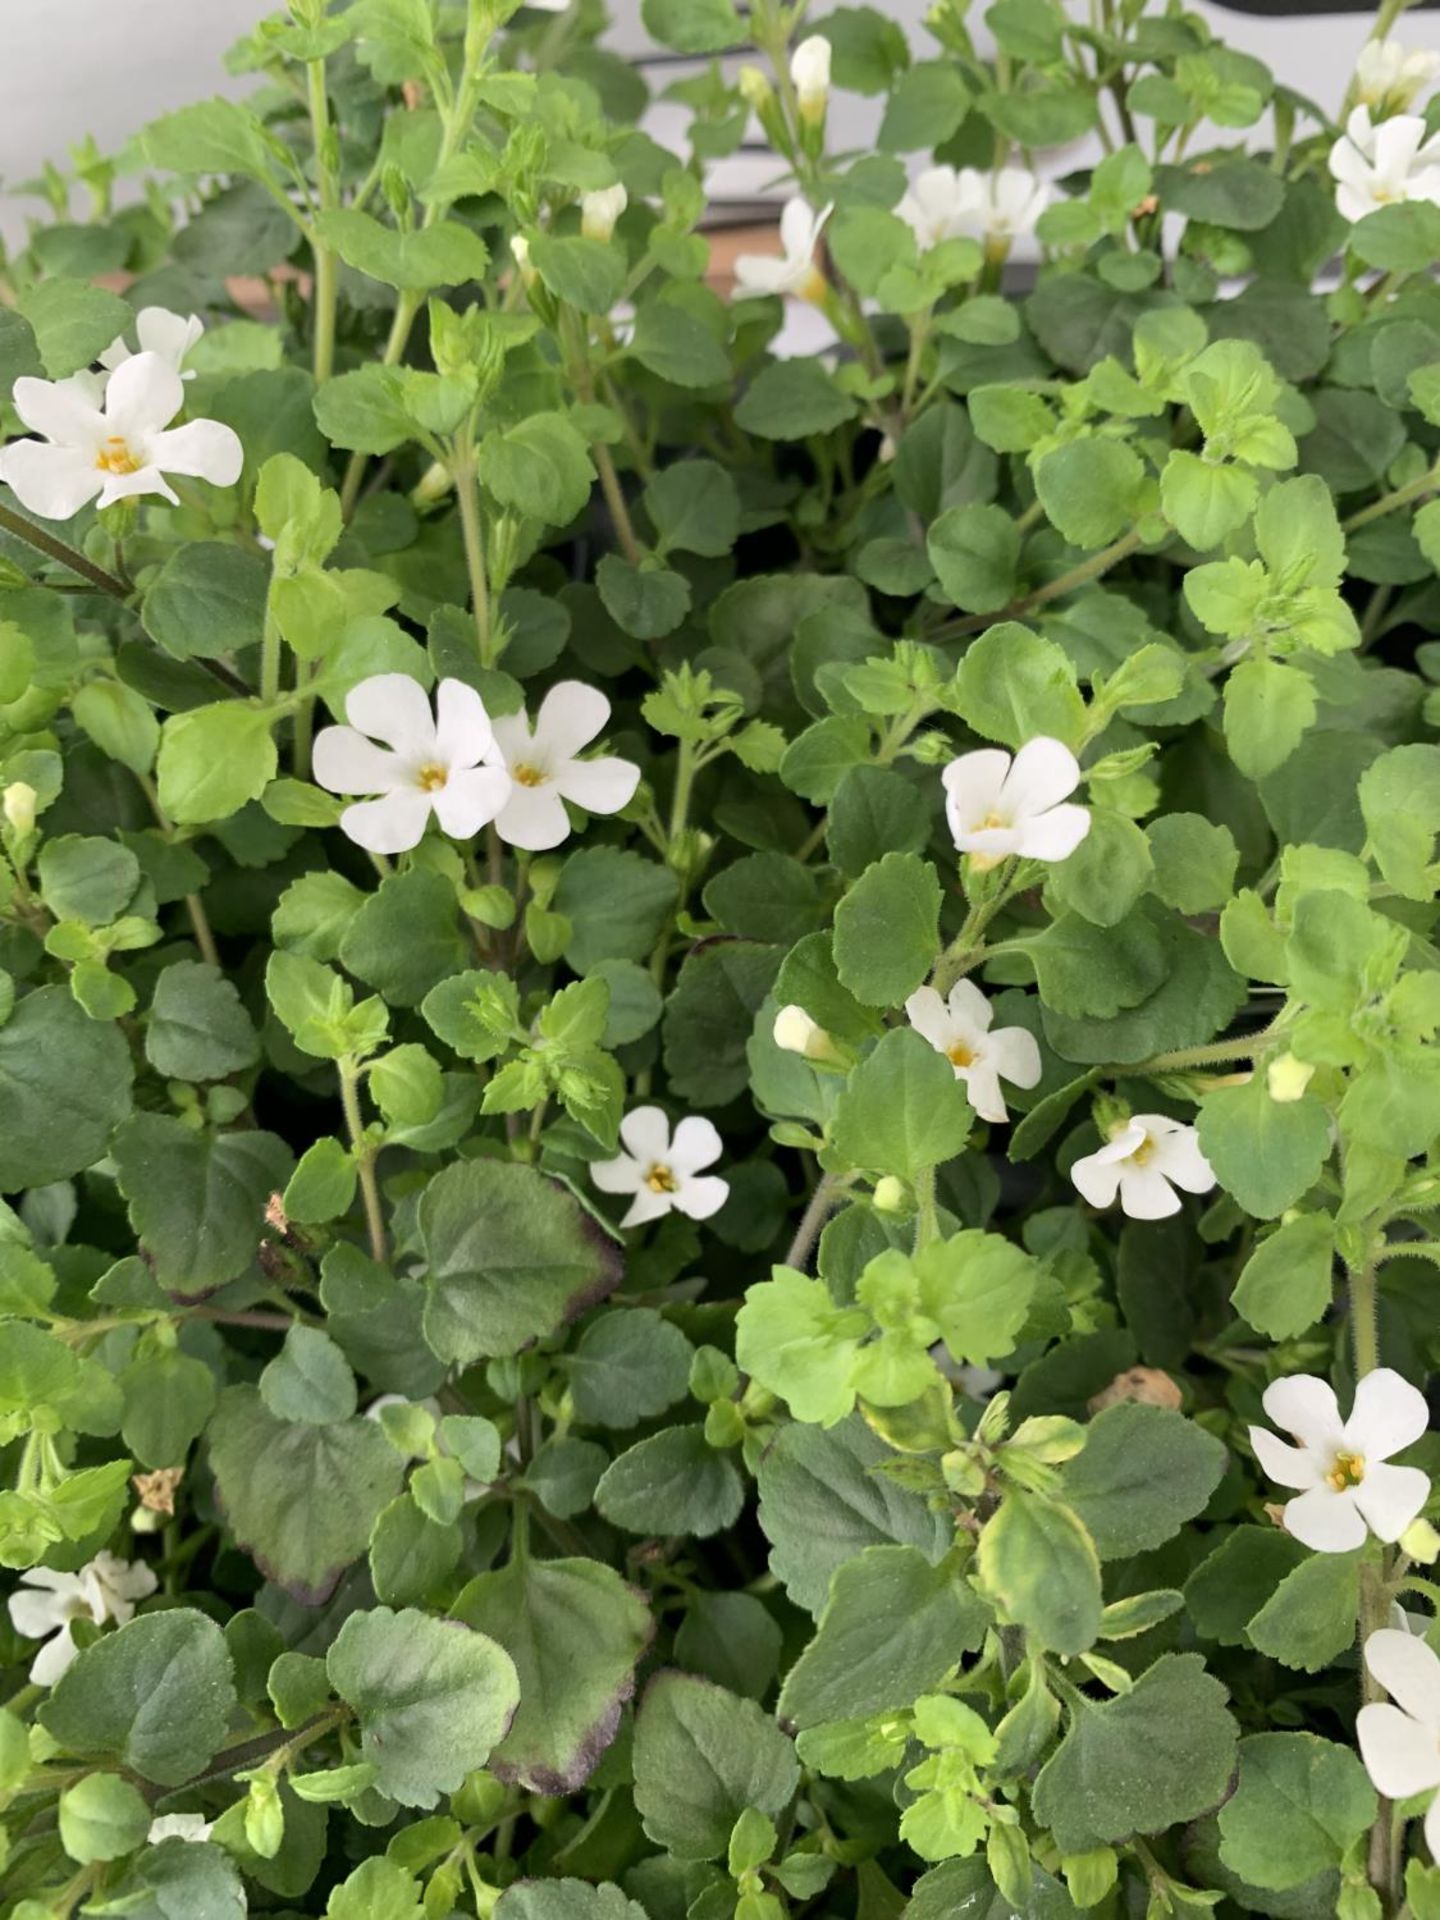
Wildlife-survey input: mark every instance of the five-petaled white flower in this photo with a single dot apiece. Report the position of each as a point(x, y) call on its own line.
point(1340, 1468)
point(600, 209)
point(1003, 204)
point(545, 771)
point(159, 331)
point(1376, 165)
point(1390, 76)
point(810, 74)
point(124, 447)
point(793, 269)
point(936, 206)
point(1140, 1161)
point(179, 1826)
point(1400, 1744)
point(44, 1604)
point(447, 764)
point(960, 1029)
point(998, 805)
point(661, 1172)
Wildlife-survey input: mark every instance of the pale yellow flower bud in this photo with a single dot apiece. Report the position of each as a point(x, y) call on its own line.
point(795, 1032)
point(755, 88)
point(19, 802)
point(1287, 1078)
point(810, 71)
point(891, 1195)
point(1421, 1542)
point(600, 210)
point(520, 251)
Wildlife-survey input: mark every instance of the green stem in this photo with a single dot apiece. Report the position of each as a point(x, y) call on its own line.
point(405, 312)
point(270, 660)
point(927, 1224)
point(1365, 1322)
point(467, 496)
point(62, 551)
point(1078, 576)
point(324, 296)
point(827, 1193)
point(1245, 1048)
point(968, 946)
point(194, 905)
point(1401, 497)
point(1375, 1614)
point(364, 1159)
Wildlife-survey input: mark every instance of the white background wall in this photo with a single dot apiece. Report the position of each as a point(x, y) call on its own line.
point(68, 67)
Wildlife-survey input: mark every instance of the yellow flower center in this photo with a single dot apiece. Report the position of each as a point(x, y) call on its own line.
point(115, 457)
point(1142, 1153)
point(960, 1055)
point(1346, 1470)
point(814, 287)
point(660, 1179)
point(527, 776)
point(431, 778)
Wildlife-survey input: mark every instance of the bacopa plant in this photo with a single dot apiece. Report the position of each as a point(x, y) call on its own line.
point(718, 1083)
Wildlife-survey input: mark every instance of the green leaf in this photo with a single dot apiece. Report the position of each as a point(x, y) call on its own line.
point(441, 254)
point(433, 1699)
point(793, 399)
point(539, 467)
point(1233, 1582)
point(586, 274)
point(197, 1200)
point(1400, 800)
point(102, 1817)
point(575, 1631)
point(510, 1257)
point(1309, 1620)
point(1266, 1153)
point(1013, 685)
point(207, 601)
point(73, 322)
point(1149, 1759)
point(701, 1757)
point(1267, 708)
point(616, 902)
point(626, 1367)
point(673, 1481)
point(1039, 1563)
point(1288, 1282)
point(1085, 971)
point(975, 551)
point(1240, 194)
point(709, 1018)
point(198, 1029)
point(213, 759)
point(893, 1627)
point(309, 1380)
point(378, 1889)
point(83, 877)
point(977, 1288)
point(1300, 1804)
point(695, 505)
point(550, 1899)
point(647, 602)
point(1204, 501)
point(406, 938)
point(676, 345)
point(156, 1696)
point(694, 26)
point(213, 136)
point(902, 1109)
point(308, 1516)
point(1091, 490)
point(65, 1083)
point(875, 812)
point(1142, 1473)
point(364, 410)
point(168, 1399)
point(887, 930)
point(1194, 861)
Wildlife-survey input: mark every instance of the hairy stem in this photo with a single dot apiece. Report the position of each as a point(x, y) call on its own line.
point(822, 1200)
point(323, 344)
point(61, 550)
point(1077, 576)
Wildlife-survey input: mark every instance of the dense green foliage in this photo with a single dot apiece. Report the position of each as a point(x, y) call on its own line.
point(868, 1514)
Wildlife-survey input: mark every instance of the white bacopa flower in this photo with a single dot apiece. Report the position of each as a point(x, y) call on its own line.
point(544, 767)
point(959, 1027)
point(936, 206)
point(793, 269)
point(179, 1826)
point(600, 210)
point(795, 1032)
point(445, 764)
point(1003, 204)
point(1143, 1161)
point(1400, 1744)
point(998, 805)
point(1379, 165)
point(1340, 1467)
point(1390, 76)
point(125, 447)
point(168, 335)
point(664, 1173)
point(45, 1603)
point(810, 73)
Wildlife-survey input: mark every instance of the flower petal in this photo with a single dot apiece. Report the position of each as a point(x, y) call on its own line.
point(1053, 835)
point(1304, 1405)
point(930, 1017)
point(1390, 1497)
point(646, 1206)
point(1176, 1153)
point(699, 1197)
point(144, 395)
point(63, 411)
point(533, 818)
point(50, 482)
point(969, 1008)
point(203, 448)
point(393, 824)
point(1386, 1416)
point(646, 1133)
point(463, 734)
point(396, 709)
point(570, 716)
point(600, 786)
point(1043, 773)
point(129, 486)
point(1326, 1521)
point(171, 335)
point(972, 787)
point(695, 1144)
point(344, 761)
point(1287, 1466)
point(982, 1086)
point(799, 229)
point(623, 1174)
point(470, 799)
point(512, 736)
point(1409, 1671)
point(35, 1614)
point(1014, 1052)
point(1097, 1175)
point(54, 1658)
point(1401, 1756)
point(1145, 1193)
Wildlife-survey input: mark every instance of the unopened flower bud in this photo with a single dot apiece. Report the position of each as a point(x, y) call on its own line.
point(19, 802)
point(1421, 1542)
point(1287, 1078)
point(520, 251)
point(796, 1032)
point(600, 210)
point(433, 485)
point(810, 71)
point(891, 1195)
point(755, 88)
